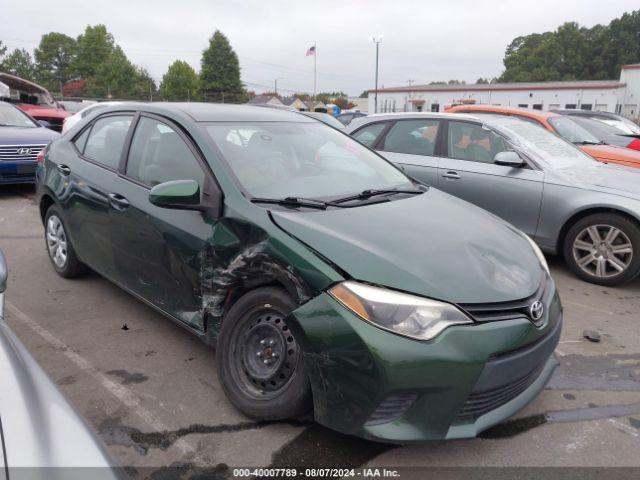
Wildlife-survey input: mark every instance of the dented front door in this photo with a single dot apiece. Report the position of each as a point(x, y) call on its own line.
point(158, 252)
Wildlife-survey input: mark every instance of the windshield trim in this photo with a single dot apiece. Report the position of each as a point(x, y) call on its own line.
point(247, 195)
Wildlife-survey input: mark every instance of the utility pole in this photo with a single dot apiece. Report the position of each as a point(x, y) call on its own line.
point(377, 39)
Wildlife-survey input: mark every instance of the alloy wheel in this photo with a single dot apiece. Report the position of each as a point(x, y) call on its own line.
point(57, 241)
point(602, 251)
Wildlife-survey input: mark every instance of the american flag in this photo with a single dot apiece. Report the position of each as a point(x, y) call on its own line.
point(311, 51)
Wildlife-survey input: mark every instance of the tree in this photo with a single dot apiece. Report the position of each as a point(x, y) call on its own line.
point(115, 77)
point(94, 47)
point(220, 71)
point(180, 82)
point(365, 94)
point(53, 59)
point(482, 81)
point(19, 63)
point(3, 52)
point(572, 52)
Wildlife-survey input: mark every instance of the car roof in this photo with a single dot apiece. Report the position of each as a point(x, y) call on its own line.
point(525, 112)
point(216, 112)
point(396, 115)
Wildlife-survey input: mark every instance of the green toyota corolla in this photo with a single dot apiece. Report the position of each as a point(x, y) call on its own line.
point(328, 279)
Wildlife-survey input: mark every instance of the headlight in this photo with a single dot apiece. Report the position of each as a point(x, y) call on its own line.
point(538, 253)
point(408, 315)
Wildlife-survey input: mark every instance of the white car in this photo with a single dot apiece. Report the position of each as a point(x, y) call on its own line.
point(71, 121)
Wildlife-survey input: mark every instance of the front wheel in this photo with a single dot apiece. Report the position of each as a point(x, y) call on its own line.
point(260, 363)
point(604, 248)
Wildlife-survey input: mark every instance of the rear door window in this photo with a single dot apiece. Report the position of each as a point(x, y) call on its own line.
point(106, 140)
point(415, 137)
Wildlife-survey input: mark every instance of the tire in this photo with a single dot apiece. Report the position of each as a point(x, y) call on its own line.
point(604, 249)
point(59, 248)
point(260, 365)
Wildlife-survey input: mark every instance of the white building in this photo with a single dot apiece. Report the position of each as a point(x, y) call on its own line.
point(619, 96)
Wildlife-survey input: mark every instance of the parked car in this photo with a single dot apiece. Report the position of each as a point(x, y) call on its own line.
point(562, 198)
point(324, 118)
point(564, 126)
point(69, 122)
point(74, 106)
point(38, 427)
point(346, 117)
point(602, 133)
point(21, 139)
point(620, 122)
point(312, 262)
point(35, 100)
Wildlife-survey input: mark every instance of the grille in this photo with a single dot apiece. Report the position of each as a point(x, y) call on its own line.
point(10, 153)
point(500, 380)
point(392, 408)
point(483, 402)
point(491, 312)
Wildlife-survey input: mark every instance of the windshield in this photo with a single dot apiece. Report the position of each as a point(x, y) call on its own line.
point(312, 160)
point(569, 129)
point(624, 125)
point(543, 145)
point(10, 116)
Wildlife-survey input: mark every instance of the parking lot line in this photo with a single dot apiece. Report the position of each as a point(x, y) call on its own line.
point(119, 391)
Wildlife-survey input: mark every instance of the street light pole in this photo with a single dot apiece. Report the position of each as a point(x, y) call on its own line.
point(377, 39)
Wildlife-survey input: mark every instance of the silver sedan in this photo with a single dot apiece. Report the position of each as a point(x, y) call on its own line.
point(569, 203)
point(42, 436)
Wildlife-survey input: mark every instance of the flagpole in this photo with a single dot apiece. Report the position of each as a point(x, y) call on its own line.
point(315, 75)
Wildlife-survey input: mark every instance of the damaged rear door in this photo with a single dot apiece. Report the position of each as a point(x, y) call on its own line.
point(158, 251)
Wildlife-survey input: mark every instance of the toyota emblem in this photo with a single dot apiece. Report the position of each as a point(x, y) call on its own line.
point(536, 310)
point(24, 151)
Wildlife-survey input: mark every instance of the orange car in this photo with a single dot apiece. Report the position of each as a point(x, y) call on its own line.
point(564, 126)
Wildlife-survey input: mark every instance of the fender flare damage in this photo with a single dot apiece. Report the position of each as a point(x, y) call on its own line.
point(248, 269)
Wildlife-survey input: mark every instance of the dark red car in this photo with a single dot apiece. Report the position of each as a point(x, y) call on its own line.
point(33, 99)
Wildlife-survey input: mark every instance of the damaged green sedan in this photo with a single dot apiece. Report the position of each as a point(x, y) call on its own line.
point(328, 279)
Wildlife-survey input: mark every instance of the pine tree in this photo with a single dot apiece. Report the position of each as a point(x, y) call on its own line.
point(220, 72)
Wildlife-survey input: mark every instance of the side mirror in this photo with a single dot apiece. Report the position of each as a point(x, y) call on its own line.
point(44, 123)
point(178, 194)
point(509, 159)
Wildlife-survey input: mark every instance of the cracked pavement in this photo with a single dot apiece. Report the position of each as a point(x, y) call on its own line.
point(150, 388)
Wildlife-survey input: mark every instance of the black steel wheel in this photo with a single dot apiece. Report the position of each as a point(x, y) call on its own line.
point(260, 363)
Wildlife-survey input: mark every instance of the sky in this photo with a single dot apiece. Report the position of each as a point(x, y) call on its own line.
point(423, 40)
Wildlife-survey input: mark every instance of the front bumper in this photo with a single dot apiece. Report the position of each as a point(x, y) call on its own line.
point(18, 172)
point(385, 387)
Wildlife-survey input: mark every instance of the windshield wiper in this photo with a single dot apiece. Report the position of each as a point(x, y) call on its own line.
point(586, 142)
point(367, 194)
point(293, 202)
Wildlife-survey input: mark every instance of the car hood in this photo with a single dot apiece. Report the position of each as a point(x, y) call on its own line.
point(40, 111)
point(19, 136)
point(602, 177)
point(433, 245)
point(611, 153)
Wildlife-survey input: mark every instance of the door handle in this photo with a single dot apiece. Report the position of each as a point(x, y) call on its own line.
point(452, 175)
point(63, 169)
point(118, 202)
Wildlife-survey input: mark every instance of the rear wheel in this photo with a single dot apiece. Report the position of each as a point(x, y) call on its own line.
point(260, 363)
point(61, 253)
point(604, 248)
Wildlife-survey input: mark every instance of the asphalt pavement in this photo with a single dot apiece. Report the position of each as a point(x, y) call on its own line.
point(150, 389)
